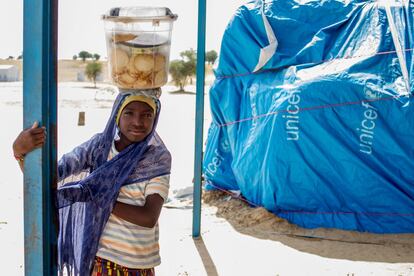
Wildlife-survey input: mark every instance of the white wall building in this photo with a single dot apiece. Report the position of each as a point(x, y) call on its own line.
point(9, 73)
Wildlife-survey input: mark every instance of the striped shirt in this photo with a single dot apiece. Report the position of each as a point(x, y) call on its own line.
point(128, 244)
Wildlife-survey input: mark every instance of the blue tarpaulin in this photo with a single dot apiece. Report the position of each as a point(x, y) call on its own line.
point(312, 113)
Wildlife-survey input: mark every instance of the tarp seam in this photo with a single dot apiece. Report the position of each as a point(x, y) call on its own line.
point(219, 77)
point(310, 109)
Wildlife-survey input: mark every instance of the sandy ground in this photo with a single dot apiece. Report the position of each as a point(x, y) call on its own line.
point(236, 239)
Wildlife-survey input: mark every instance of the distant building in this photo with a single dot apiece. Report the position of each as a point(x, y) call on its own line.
point(9, 73)
point(81, 76)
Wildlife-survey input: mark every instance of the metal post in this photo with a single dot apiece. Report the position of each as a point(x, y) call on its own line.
point(198, 157)
point(40, 104)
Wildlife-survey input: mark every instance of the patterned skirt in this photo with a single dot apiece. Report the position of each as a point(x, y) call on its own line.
point(104, 267)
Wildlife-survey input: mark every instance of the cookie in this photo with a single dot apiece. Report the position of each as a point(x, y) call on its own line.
point(119, 60)
point(160, 78)
point(131, 67)
point(140, 83)
point(126, 80)
point(144, 62)
point(122, 37)
point(159, 62)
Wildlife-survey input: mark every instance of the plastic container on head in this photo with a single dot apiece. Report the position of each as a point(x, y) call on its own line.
point(138, 42)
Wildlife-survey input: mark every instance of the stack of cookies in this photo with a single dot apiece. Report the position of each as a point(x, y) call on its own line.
point(134, 67)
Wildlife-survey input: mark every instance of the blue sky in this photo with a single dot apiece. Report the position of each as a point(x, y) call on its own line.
point(80, 27)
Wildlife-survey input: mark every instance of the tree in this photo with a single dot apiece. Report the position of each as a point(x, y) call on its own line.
point(183, 69)
point(177, 72)
point(84, 55)
point(92, 71)
point(10, 58)
point(211, 56)
point(75, 57)
point(96, 56)
point(190, 63)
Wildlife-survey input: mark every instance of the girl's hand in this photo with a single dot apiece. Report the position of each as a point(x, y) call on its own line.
point(28, 140)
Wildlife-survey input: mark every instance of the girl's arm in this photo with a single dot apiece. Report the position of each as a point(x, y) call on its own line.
point(28, 140)
point(146, 216)
point(34, 137)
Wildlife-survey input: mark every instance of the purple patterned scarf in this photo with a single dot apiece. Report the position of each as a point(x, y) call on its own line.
point(85, 205)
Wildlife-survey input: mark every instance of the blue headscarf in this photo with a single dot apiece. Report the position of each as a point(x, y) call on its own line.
point(85, 205)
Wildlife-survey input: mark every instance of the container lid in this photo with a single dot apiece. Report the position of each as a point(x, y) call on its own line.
point(146, 40)
point(131, 14)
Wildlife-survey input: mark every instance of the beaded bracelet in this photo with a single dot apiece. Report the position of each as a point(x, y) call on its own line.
point(19, 158)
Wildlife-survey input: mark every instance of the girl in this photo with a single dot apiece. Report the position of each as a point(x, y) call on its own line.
point(108, 219)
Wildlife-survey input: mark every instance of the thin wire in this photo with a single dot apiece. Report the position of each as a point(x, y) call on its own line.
point(316, 107)
point(309, 109)
point(234, 195)
point(314, 63)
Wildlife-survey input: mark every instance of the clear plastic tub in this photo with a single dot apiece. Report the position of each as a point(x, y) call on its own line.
point(138, 43)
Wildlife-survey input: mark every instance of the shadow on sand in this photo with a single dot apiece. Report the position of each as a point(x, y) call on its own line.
point(181, 92)
point(329, 243)
point(208, 263)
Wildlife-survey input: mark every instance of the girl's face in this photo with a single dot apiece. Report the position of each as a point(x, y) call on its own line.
point(135, 122)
